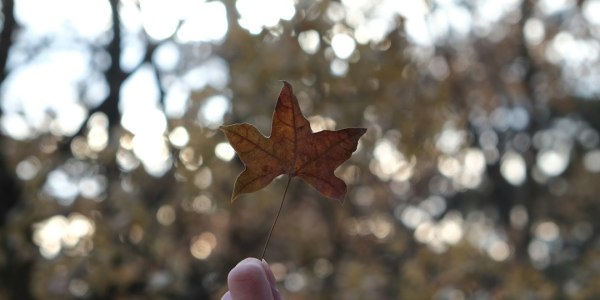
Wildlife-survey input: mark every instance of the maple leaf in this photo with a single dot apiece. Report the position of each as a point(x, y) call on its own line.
point(292, 149)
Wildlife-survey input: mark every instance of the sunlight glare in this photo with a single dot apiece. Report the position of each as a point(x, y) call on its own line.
point(69, 118)
point(160, 18)
point(53, 95)
point(89, 18)
point(144, 121)
point(167, 57)
point(474, 161)
point(58, 232)
point(309, 41)
point(320, 123)
point(448, 166)
point(48, 234)
point(79, 226)
point(213, 111)
point(207, 24)
point(213, 72)
point(450, 140)
point(513, 168)
point(177, 99)
point(335, 12)
point(258, 14)
point(389, 161)
point(373, 21)
point(16, 126)
point(534, 31)
point(571, 51)
point(139, 103)
point(492, 11)
point(97, 137)
point(425, 232)
point(552, 163)
point(418, 31)
point(591, 11)
point(343, 45)
point(148, 125)
point(224, 151)
point(450, 231)
point(153, 152)
point(179, 137)
point(550, 7)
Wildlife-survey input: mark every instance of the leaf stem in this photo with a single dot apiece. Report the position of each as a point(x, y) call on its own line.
point(262, 256)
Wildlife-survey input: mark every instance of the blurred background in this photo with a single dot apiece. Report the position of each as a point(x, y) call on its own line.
point(478, 177)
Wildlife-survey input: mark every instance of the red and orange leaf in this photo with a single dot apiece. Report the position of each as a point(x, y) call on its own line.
point(292, 149)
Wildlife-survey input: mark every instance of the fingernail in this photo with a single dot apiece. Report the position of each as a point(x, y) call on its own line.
point(266, 265)
point(270, 275)
point(275, 293)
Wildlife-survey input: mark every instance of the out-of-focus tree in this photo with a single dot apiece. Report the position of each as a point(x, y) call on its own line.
point(477, 178)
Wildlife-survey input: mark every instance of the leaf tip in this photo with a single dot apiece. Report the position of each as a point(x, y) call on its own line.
point(235, 195)
point(357, 132)
point(286, 85)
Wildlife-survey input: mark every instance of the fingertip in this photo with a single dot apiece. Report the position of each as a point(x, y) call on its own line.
point(270, 275)
point(227, 296)
point(249, 269)
point(271, 278)
point(248, 280)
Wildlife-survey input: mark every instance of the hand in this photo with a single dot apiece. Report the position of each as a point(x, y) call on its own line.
point(251, 279)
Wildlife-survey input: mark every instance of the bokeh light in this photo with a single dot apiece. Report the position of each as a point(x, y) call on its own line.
point(256, 15)
point(481, 157)
point(59, 232)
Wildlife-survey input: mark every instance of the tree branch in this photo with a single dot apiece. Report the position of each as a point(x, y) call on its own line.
point(8, 28)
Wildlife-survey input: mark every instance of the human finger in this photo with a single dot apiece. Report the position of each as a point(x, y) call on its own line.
point(249, 280)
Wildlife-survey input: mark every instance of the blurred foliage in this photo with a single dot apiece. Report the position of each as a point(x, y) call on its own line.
point(477, 178)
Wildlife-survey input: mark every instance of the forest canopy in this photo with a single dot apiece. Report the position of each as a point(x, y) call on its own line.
point(477, 177)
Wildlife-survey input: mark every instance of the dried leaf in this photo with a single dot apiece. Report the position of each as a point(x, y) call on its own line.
point(292, 149)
